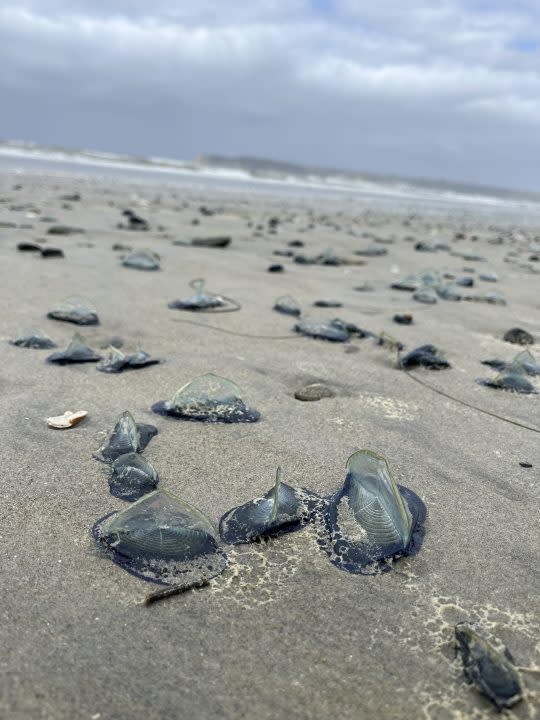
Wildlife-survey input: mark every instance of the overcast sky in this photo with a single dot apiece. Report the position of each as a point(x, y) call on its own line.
point(440, 88)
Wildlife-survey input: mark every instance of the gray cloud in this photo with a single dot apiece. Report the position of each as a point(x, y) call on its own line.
point(448, 89)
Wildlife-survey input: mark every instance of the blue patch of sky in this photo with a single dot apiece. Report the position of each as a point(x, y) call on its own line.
point(526, 45)
point(324, 7)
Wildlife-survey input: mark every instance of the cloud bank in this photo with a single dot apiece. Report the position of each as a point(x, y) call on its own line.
point(448, 89)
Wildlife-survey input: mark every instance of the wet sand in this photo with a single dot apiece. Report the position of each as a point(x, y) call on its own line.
point(282, 633)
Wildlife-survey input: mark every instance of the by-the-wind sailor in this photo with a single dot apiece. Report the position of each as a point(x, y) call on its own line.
point(36, 339)
point(142, 260)
point(288, 306)
point(333, 331)
point(208, 398)
point(75, 310)
point(116, 361)
point(523, 362)
point(449, 292)
point(76, 352)
point(491, 671)
point(511, 378)
point(199, 301)
point(281, 509)
point(132, 476)
point(127, 436)
point(424, 356)
point(371, 518)
point(425, 294)
point(413, 282)
point(161, 538)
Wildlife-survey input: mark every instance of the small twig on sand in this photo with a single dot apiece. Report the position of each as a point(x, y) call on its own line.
point(175, 590)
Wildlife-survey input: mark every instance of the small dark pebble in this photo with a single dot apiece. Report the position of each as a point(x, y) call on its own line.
point(51, 252)
point(64, 230)
point(296, 243)
point(312, 392)
point(28, 247)
point(328, 303)
point(518, 336)
point(526, 464)
point(275, 268)
point(221, 241)
point(405, 319)
point(134, 221)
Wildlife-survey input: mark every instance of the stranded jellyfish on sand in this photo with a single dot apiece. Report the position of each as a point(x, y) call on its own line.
point(115, 361)
point(76, 352)
point(127, 436)
point(161, 538)
point(371, 518)
point(281, 509)
point(75, 310)
point(208, 398)
point(490, 670)
point(132, 476)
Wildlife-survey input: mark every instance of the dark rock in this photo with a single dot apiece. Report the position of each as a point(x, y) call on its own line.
point(372, 251)
point(312, 392)
point(275, 268)
point(220, 241)
point(328, 303)
point(64, 230)
point(404, 319)
point(51, 252)
point(518, 336)
point(134, 221)
point(28, 247)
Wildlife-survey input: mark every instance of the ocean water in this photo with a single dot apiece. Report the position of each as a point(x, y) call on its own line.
point(398, 197)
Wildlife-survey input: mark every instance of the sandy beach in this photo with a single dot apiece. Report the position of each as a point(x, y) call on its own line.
point(282, 633)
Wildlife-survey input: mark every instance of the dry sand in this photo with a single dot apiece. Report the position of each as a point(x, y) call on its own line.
point(282, 633)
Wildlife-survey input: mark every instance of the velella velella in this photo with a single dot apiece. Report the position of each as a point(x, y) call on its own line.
point(449, 292)
point(208, 398)
point(115, 361)
point(425, 294)
point(418, 280)
point(76, 310)
point(371, 519)
point(127, 436)
point(142, 260)
point(36, 339)
point(281, 509)
point(490, 670)
point(132, 476)
point(523, 362)
point(287, 305)
point(512, 378)
point(323, 330)
point(424, 356)
point(372, 251)
point(199, 301)
point(76, 352)
point(161, 538)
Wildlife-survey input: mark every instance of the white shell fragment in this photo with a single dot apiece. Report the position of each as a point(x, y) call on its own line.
point(67, 420)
